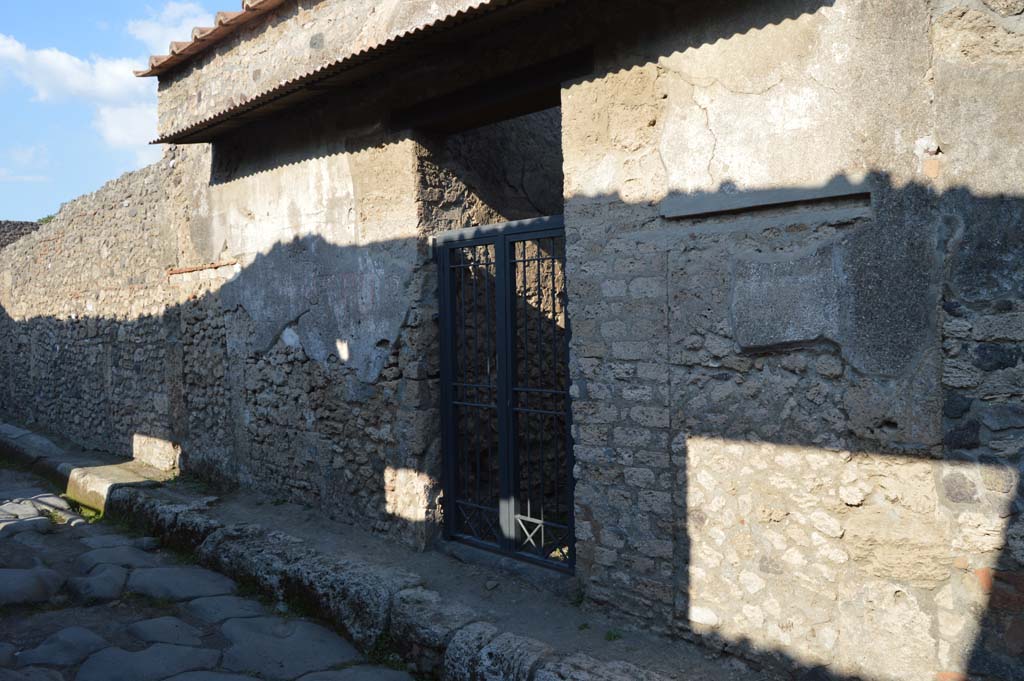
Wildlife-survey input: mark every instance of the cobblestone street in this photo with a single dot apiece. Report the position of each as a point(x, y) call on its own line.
point(83, 602)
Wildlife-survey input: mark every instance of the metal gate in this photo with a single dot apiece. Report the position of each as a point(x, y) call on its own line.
point(505, 390)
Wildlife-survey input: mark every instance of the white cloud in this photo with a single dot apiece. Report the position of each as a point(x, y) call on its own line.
point(124, 106)
point(7, 176)
point(53, 74)
point(174, 22)
point(129, 127)
point(36, 156)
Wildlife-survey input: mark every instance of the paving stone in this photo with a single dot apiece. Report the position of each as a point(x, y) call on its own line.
point(36, 585)
point(166, 630)
point(283, 649)
point(211, 676)
point(30, 674)
point(585, 668)
point(216, 609)
point(104, 583)
point(179, 583)
point(48, 501)
point(9, 528)
point(155, 662)
point(110, 541)
point(7, 655)
point(125, 556)
point(31, 539)
point(65, 648)
point(21, 508)
point(362, 673)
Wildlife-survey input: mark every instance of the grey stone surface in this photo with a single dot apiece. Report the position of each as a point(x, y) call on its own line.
point(12, 230)
point(103, 583)
point(109, 541)
point(586, 668)
point(283, 649)
point(30, 674)
point(20, 509)
point(1003, 416)
point(422, 623)
point(125, 556)
point(166, 630)
point(1007, 8)
point(215, 609)
point(462, 656)
point(35, 585)
point(31, 539)
point(179, 583)
point(786, 301)
point(155, 662)
point(15, 526)
point(211, 676)
point(65, 648)
point(7, 654)
point(360, 673)
point(509, 657)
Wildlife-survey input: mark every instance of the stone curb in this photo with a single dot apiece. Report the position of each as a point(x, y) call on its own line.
point(88, 479)
point(381, 609)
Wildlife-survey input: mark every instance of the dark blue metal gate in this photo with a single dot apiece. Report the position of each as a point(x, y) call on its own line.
point(505, 390)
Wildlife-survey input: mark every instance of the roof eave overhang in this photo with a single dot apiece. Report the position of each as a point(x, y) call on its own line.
point(357, 66)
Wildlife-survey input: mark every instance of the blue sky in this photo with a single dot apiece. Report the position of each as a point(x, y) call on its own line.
point(73, 115)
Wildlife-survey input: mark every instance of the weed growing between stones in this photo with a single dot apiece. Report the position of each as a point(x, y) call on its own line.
point(612, 635)
point(90, 515)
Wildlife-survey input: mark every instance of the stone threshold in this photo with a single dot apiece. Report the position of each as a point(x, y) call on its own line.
point(384, 609)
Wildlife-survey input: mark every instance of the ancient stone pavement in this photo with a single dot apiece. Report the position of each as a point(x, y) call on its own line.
point(81, 602)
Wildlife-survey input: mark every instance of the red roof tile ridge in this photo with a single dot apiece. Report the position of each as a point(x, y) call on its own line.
point(205, 37)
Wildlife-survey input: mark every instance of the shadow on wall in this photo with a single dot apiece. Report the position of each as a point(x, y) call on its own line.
point(837, 373)
point(824, 361)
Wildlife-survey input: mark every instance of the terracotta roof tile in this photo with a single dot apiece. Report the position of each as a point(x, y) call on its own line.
point(205, 37)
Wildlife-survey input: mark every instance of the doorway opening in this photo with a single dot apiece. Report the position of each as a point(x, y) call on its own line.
point(505, 390)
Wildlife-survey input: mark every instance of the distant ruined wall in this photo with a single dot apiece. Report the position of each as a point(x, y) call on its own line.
point(798, 429)
point(11, 231)
point(87, 346)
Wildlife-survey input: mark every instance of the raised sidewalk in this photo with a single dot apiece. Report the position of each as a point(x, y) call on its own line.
point(444, 617)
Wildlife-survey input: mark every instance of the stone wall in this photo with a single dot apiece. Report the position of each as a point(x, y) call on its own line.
point(797, 426)
point(11, 231)
point(762, 456)
point(264, 315)
point(88, 345)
